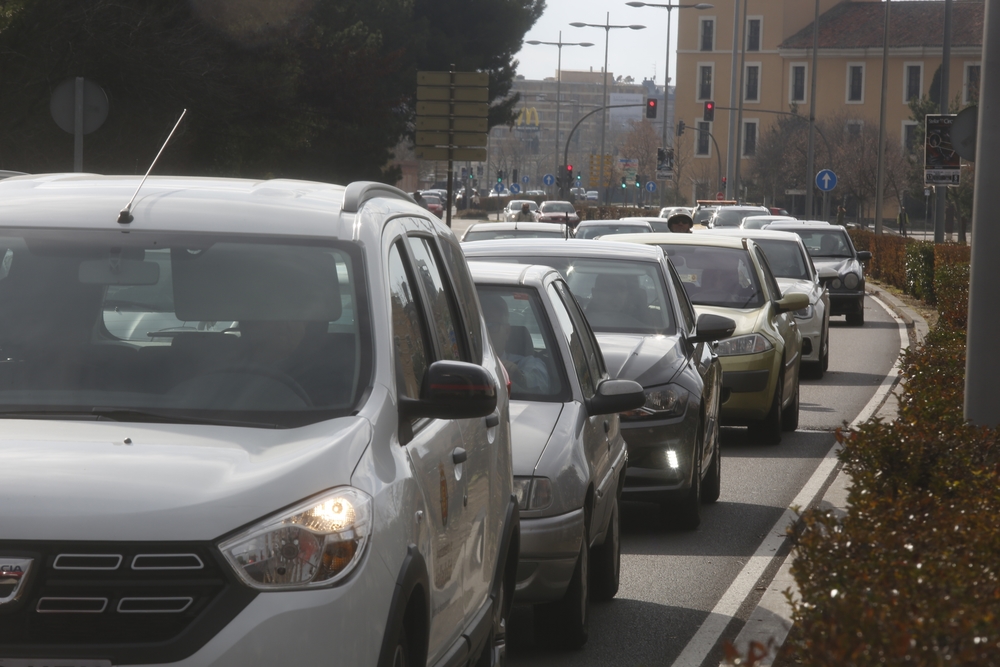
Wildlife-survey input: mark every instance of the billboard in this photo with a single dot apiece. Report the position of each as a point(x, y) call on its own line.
point(942, 165)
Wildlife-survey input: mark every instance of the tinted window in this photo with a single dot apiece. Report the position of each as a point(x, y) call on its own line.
point(785, 259)
point(687, 311)
point(717, 276)
point(408, 328)
point(731, 216)
point(440, 299)
point(587, 359)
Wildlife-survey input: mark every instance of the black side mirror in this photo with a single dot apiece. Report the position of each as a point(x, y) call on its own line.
point(712, 328)
point(864, 255)
point(452, 390)
point(616, 396)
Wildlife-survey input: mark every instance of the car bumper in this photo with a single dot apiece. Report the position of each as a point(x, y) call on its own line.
point(812, 336)
point(847, 302)
point(747, 387)
point(550, 547)
point(651, 474)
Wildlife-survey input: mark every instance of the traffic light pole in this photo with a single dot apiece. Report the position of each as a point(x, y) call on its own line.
point(569, 138)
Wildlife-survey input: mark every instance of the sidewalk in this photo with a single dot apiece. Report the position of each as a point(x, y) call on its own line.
point(770, 622)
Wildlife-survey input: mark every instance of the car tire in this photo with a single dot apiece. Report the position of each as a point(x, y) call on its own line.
point(606, 560)
point(768, 430)
point(711, 487)
point(566, 622)
point(825, 363)
point(401, 654)
point(686, 514)
point(790, 415)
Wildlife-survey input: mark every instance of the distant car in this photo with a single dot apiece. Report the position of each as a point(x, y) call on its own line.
point(578, 193)
point(839, 264)
point(761, 221)
point(671, 210)
point(777, 211)
point(569, 457)
point(433, 204)
point(703, 214)
point(592, 195)
point(535, 193)
point(503, 193)
point(658, 224)
point(558, 211)
point(795, 272)
point(591, 229)
point(485, 231)
point(514, 207)
point(732, 216)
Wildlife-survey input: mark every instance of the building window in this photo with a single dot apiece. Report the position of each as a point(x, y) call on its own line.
point(750, 137)
point(705, 77)
point(702, 145)
point(753, 33)
point(854, 127)
point(913, 81)
point(970, 83)
point(855, 83)
point(797, 84)
point(707, 34)
point(909, 137)
point(751, 92)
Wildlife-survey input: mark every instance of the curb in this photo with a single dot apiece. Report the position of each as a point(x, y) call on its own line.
point(767, 627)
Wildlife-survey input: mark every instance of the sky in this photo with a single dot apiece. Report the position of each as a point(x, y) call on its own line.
point(637, 53)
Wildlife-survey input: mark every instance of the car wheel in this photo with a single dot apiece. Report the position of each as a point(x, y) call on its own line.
point(790, 415)
point(768, 430)
point(607, 560)
point(687, 513)
point(711, 488)
point(825, 363)
point(566, 622)
point(401, 654)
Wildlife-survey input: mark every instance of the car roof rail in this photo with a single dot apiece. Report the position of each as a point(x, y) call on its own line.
point(358, 192)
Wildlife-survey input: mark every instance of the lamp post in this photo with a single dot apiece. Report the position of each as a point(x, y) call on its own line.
point(667, 136)
point(607, 27)
point(558, 45)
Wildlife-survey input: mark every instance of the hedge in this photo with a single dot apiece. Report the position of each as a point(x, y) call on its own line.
point(920, 270)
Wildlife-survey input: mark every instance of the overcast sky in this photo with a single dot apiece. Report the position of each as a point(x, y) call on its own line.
point(637, 53)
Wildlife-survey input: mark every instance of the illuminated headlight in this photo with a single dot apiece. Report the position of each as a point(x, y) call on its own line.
point(805, 313)
point(851, 281)
point(314, 544)
point(533, 493)
point(750, 344)
point(661, 403)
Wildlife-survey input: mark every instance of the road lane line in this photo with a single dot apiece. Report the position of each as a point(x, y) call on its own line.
point(698, 648)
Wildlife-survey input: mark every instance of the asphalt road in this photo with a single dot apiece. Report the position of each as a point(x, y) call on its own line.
point(672, 579)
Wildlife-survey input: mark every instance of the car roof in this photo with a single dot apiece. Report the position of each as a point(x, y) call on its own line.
point(564, 248)
point(655, 239)
point(518, 202)
point(649, 218)
point(510, 226)
point(751, 233)
point(558, 201)
point(800, 223)
point(505, 273)
point(636, 222)
point(194, 204)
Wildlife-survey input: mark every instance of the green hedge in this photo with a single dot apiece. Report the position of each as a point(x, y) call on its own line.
point(920, 270)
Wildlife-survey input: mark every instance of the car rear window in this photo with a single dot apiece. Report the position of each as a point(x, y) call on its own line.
point(557, 207)
point(785, 259)
point(716, 276)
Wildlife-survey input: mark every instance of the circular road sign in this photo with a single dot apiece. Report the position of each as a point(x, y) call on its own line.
point(651, 186)
point(526, 179)
point(720, 196)
point(515, 188)
point(62, 105)
point(498, 187)
point(826, 180)
point(548, 179)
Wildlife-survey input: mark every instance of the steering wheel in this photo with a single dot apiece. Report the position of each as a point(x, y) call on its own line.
point(269, 373)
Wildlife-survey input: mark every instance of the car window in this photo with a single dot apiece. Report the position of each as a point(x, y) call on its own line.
point(522, 336)
point(440, 300)
point(557, 207)
point(687, 310)
point(408, 327)
point(716, 276)
point(785, 259)
point(702, 216)
point(585, 361)
point(825, 242)
point(454, 261)
point(772, 284)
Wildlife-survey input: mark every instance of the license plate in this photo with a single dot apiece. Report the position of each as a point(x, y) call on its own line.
point(52, 662)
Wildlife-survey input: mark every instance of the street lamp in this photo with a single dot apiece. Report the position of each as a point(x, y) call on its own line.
point(667, 137)
point(606, 26)
point(558, 45)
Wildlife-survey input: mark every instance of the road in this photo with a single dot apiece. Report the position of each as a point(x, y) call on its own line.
point(671, 579)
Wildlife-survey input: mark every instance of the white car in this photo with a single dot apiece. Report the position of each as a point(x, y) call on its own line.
point(327, 479)
point(514, 206)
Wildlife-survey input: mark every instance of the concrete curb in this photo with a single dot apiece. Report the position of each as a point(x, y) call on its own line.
point(768, 626)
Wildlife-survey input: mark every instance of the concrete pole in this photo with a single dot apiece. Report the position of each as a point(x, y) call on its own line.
point(982, 362)
point(732, 155)
point(811, 150)
point(942, 190)
point(880, 178)
point(667, 136)
point(559, 173)
point(604, 101)
point(738, 187)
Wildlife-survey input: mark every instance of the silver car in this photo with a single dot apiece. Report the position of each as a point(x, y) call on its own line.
point(569, 457)
point(513, 208)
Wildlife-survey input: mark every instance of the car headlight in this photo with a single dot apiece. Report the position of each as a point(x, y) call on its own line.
point(805, 313)
point(749, 344)
point(533, 493)
point(316, 543)
point(836, 284)
point(661, 403)
point(851, 281)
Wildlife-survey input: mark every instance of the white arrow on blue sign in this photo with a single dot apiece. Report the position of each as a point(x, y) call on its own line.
point(498, 187)
point(826, 180)
point(526, 179)
point(515, 188)
point(651, 186)
point(548, 179)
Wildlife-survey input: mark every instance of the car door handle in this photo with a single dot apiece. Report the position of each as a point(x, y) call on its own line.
point(459, 455)
point(492, 420)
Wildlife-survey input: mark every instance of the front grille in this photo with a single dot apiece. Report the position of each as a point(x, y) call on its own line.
point(129, 603)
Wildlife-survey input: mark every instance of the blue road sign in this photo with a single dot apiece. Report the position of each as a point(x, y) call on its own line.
point(515, 188)
point(548, 179)
point(526, 179)
point(826, 180)
point(650, 186)
point(498, 187)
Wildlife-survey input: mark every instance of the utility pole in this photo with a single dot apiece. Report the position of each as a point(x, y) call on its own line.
point(941, 191)
point(739, 117)
point(811, 150)
point(880, 177)
point(732, 155)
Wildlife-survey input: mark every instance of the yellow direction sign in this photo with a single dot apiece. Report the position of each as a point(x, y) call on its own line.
point(440, 124)
point(473, 109)
point(457, 138)
point(444, 93)
point(461, 79)
point(460, 154)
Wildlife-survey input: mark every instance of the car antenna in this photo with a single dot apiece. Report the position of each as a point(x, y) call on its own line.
point(125, 215)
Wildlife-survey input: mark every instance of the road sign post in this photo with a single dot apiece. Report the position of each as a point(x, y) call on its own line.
point(826, 181)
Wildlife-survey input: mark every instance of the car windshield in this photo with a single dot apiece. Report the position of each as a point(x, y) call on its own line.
point(181, 328)
point(516, 205)
point(522, 335)
point(660, 227)
point(593, 231)
point(703, 215)
point(431, 199)
point(785, 259)
point(473, 235)
point(716, 276)
point(731, 216)
point(618, 296)
point(827, 242)
point(557, 207)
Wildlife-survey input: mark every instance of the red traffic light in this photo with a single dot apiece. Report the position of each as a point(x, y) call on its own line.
point(709, 112)
point(569, 168)
point(651, 107)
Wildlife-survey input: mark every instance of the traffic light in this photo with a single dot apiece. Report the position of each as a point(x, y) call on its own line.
point(680, 127)
point(723, 182)
point(709, 115)
point(513, 178)
point(651, 107)
point(569, 174)
point(637, 185)
point(624, 182)
point(499, 175)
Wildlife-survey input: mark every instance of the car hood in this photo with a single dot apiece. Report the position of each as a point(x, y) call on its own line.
point(531, 424)
point(841, 265)
point(69, 480)
point(649, 360)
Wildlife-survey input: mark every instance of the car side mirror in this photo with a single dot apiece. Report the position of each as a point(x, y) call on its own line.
point(616, 396)
point(712, 327)
point(864, 255)
point(452, 390)
point(793, 301)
